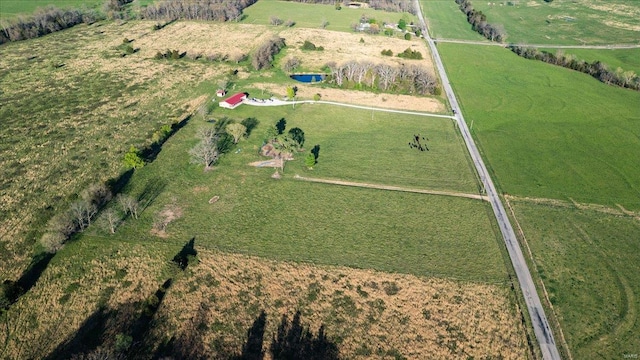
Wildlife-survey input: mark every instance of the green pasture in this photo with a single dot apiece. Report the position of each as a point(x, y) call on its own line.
point(12, 8)
point(547, 131)
point(589, 263)
point(626, 59)
point(312, 15)
point(446, 21)
point(288, 219)
point(566, 22)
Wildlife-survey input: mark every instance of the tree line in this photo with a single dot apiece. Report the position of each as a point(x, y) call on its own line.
point(403, 78)
point(479, 24)
point(43, 22)
point(263, 56)
point(218, 10)
point(597, 69)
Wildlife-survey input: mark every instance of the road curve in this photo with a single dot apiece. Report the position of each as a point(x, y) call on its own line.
point(539, 320)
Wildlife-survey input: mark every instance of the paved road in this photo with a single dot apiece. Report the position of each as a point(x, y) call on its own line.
point(531, 298)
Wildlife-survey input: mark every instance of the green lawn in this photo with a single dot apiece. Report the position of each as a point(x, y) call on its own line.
point(446, 21)
point(566, 22)
point(312, 16)
point(589, 264)
point(292, 220)
point(626, 59)
point(547, 131)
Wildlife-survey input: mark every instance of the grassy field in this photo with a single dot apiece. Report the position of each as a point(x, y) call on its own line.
point(293, 220)
point(312, 16)
point(88, 103)
point(446, 21)
point(588, 262)
point(75, 105)
point(11, 8)
point(210, 306)
point(549, 132)
point(567, 22)
point(626, 59)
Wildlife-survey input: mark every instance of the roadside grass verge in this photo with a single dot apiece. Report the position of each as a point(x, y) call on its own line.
point(563, 22)
point(446, 21)
point(588, 262)
point(549, 132)
point(291, 220)
point(312, 15)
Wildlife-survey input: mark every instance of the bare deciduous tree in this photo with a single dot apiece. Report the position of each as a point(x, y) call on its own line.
point(291, 64)
point(110, 219)
point(129, 205)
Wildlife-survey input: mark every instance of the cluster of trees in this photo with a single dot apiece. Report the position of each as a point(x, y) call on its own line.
point(219, 139)
point(170, 54)
point(478, 21)
point(263, 56)
point(285, 144)
point(43, 22)
point(218, 10)
point(410, 54)
point(405, 78)
point(387, 52)
point(276, 21)
point(600, 71)
point(76, 218)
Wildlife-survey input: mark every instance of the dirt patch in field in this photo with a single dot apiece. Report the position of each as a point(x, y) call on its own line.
point(387, 101)
point(621, 25)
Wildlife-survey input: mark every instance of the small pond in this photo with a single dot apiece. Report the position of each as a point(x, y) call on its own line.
point(308, 78)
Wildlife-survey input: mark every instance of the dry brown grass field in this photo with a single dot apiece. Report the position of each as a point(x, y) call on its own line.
point(367, 314)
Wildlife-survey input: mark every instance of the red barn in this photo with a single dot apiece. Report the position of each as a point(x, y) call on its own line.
point(233, 101)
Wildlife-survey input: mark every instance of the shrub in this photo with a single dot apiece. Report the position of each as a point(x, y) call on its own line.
point(308, 45)
point(132, 159)
point(411, 54)
point(407, 36)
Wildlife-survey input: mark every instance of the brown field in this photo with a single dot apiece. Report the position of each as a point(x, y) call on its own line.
point(368, 314)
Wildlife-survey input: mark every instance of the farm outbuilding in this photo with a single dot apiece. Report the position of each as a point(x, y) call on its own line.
point(233, 101)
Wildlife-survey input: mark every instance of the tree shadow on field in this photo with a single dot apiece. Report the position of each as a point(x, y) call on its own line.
point(125, 332)
point(13, 290)
point(152, 189)
point(150, 153)
point(186, 255)
point(293, 341)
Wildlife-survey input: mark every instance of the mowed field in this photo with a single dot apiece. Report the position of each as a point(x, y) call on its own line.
point(312, 15)
point(87, 104)
point(549, 132)
point(625, 59)
point(446, 21)
point(588, 261)
point(12, 8)
point(577, 22)
point(294, 220)
point(563, 147)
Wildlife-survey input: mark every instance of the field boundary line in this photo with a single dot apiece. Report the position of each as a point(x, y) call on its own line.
point(535, 268)
point(392, 188)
